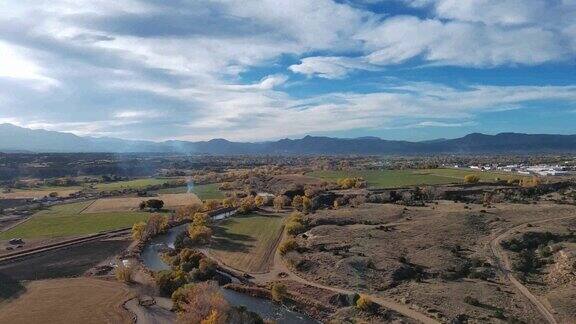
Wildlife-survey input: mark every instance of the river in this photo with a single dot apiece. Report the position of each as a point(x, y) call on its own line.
point(265, 308)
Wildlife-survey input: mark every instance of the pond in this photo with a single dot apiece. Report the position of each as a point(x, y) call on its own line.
point(265, 308)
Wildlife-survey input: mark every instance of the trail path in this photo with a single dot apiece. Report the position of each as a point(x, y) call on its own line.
point(504, 265)
point(279, 266)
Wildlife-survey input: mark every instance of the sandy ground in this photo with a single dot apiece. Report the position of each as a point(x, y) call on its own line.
point(131, 203)
point(77, 300)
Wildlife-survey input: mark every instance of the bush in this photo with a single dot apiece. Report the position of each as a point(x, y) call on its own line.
point(279, 292)
point(294, 228)
point(471, 301)
point(287, 246)
point(364, 304)
point(471, 178)
point(124, 273)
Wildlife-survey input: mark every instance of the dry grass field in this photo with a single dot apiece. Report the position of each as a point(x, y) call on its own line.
point(77, 300)
point(248, 242)
point(40, 193)
point(131, 203)
point(383, 249)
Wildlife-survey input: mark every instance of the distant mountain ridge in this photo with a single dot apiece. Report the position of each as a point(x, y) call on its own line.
point(18, 139)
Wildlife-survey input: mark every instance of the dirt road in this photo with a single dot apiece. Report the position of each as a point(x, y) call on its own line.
point(504, 265)
point(280, 267)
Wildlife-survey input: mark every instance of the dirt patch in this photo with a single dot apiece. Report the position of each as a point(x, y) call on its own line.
point(77, 300)
point(66, 262)
point(132, 203)
point(433, 257)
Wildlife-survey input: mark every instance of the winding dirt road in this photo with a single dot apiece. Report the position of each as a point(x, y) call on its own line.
point(280, 267)
point(504, 265)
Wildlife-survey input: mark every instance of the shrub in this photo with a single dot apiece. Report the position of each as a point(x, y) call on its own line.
point(287, 246)
point(138, 231)
point(279, 292)
point(471, 301)
point(124, 273)
point(294, 228)
point(364, 304)
point(471, 178)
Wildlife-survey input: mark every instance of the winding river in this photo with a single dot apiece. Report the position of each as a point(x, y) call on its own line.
point(265, 308)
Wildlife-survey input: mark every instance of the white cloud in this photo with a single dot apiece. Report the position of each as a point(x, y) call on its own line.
point(457, 43)
point(186, 63)
point(331, 67)
point(14, 63)
point(137, 114)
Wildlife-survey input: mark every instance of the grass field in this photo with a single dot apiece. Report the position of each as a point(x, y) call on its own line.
point(208, 191)
point(133, 184)
point(40, 192)
point(175, 190)
point(68, 220)
point(247, 243)
point(76, 300)
point(403, 178)
point(171, 201)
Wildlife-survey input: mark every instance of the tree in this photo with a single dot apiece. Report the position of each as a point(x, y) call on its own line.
point(124, 273)
point(247, 204)
point(306, 204)
point(297, 202)
point(279, 292)
point(138, 231)
point(200, 234)
point(231, 202)
point(187, 212)
point(279, 202)
point(471, 178)
point(155, 204)
point(211, 204)
point(259, 200)
point(200, 219)
point(203, 302)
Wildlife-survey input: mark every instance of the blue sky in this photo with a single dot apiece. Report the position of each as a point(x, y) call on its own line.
point(261, 69)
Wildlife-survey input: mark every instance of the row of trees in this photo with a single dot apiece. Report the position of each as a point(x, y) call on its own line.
point(155, 225)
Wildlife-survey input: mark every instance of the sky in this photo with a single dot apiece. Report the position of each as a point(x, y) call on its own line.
point(255, 70)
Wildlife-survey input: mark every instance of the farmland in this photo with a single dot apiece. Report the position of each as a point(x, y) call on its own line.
point(123, 204)
point(79, 300)
point(68, 220)
point(133, 184)
point(40, 192)
point(247, 242)
point(208, 191)
point(402, 178)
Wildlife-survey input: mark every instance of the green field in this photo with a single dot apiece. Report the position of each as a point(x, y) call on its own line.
point(132, 184)
point(248, 242)
point(404, 178)
point(175, 190)
point(66, 220)
point(208, 191)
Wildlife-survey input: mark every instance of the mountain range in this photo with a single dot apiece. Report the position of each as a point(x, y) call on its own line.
point(18, 139)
